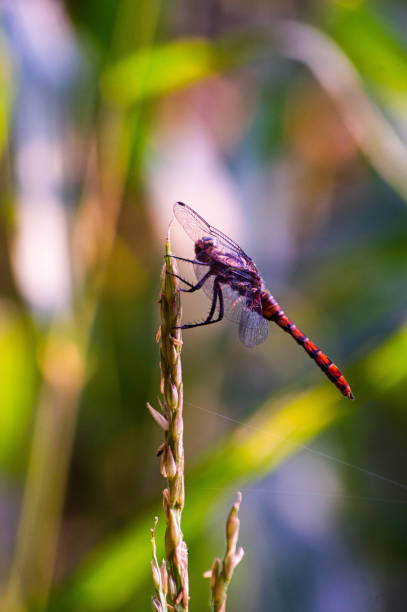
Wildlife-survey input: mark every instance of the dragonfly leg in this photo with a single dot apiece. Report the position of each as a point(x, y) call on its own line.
point(181, 279)
point(217, 295)
point(192, 287)
point(198, 285)
point(194, 261)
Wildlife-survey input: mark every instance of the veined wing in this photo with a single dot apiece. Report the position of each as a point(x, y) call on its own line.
point(207, 287)
point(253, 327)
point(196, 227)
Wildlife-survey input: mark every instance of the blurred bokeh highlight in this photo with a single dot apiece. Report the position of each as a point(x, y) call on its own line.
point(285, 125)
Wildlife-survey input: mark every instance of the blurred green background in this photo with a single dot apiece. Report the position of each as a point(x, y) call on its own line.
point(285, 125)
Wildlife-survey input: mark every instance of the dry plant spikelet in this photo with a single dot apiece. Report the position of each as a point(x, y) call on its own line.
point(172, 451)
point(160, 578)
point(221, 573)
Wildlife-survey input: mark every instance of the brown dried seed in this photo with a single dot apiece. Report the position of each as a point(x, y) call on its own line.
point(160, 449)
point(158, 417)
point(158, 335)
point(164, 577)
point(163, 463)
point(166, 504)
point(156, 574)
point(172, 587)
point(156, 604)
point(171, 466)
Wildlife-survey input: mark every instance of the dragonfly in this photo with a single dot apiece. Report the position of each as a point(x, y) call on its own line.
point(231, 280)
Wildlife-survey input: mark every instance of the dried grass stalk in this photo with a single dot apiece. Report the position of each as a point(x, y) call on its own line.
point(172, 451)
point(160, 577)
point(221, 572)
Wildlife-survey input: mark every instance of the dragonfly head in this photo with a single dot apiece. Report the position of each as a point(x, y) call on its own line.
point(204, 243)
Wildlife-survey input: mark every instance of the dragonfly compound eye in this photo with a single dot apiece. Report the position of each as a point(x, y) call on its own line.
point(208, 242)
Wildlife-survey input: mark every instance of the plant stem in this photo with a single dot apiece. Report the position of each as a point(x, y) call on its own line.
point(221, 572)
point(160, 577)
point(172, 450)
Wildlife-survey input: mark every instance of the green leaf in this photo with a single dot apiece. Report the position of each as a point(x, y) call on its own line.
point(17, 373)
point(159, 70)
point(5, 100)
point(374, 47)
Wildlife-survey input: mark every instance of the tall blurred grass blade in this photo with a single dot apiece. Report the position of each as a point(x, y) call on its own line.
point(373, 133)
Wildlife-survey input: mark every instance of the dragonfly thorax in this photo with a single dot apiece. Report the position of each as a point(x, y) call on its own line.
point(204, 244)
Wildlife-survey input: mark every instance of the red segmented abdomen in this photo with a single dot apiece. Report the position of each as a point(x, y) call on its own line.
point(272, 311)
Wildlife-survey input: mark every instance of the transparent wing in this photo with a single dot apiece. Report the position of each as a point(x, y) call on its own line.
point(253, 328)
point(234, 304)
point(207, 287)
point(196, 227)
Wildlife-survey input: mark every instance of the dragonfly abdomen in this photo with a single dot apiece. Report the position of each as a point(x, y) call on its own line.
point(272, 311)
